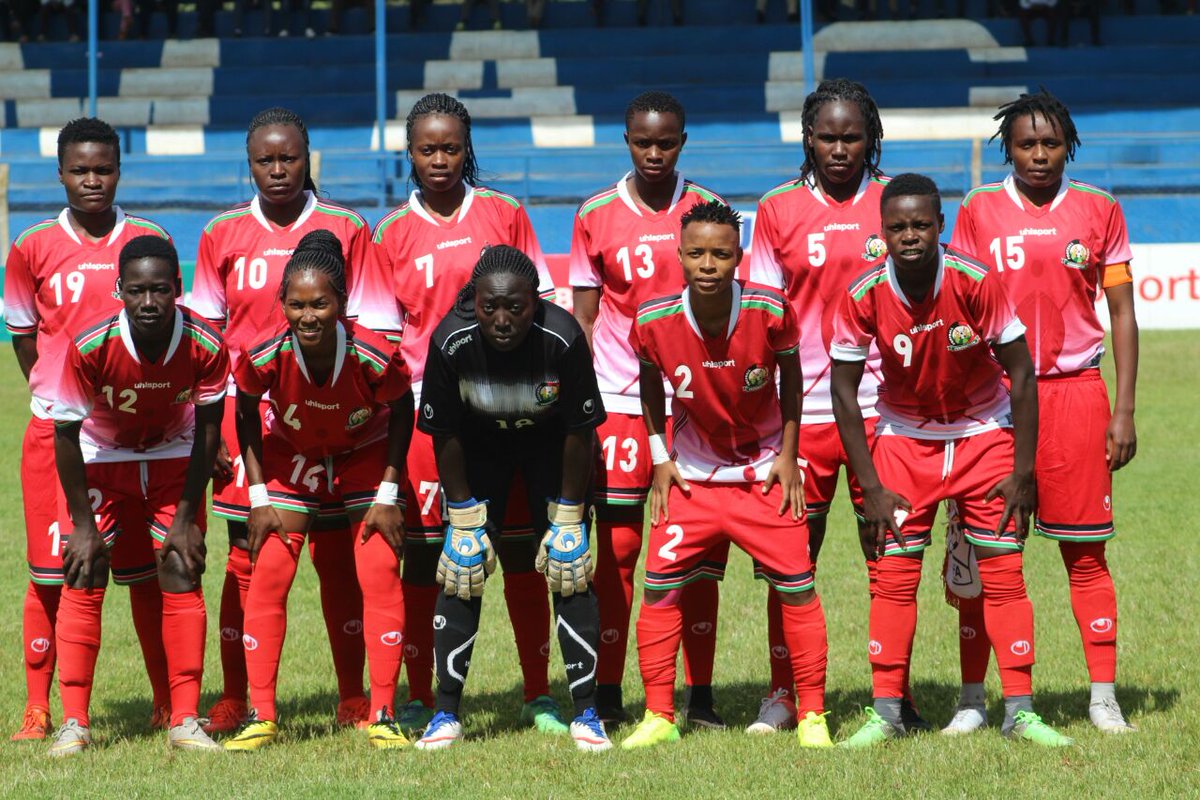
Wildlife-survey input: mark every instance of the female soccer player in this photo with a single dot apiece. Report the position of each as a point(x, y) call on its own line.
point(137, 422)
point(428, 248)
point(947, 430)
point(337, 432)
point(733, 474)
point(510, 389)
point(1056, 243)
point(59, 276)
point(624, 251)
point(241, 260)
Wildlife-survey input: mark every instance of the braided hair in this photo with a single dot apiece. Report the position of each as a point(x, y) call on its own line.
point(88, 129)
point(500, 259)
point(443, 104)
point(910, 183)
point(842, 90)
point(654, 102)
point(141, 247)
point(283, 116)
point(713, 211)
point(318, 251)
point(1044, 103)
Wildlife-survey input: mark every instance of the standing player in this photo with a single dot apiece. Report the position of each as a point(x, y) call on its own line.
point(337, 431)
point(1056, 243)
point(733, 474)
point(138, 421)
point(241, 260)
point(624, 251)
point(510, 389)
point(59, 276)
point(947, 431)
point(428, 247)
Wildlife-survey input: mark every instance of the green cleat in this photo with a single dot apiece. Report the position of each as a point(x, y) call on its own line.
point(542, 713)
point(414, 716)
point(876, 730)
point(652, 730)
point(1029, 726)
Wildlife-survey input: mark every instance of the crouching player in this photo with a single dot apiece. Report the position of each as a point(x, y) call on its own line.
point(734, 475)
point(338, 431)
point(137, 423)
point(948, 430)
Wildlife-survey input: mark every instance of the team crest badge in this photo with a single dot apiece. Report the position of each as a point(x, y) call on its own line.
point(756, 378)
point(875, 248)
point(1077, 255)
point(357, 417)
point(961, 336)
point(546, 393)
point(183, 396)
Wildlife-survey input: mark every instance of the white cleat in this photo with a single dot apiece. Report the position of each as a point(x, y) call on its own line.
point(777, 713)
point(69, 739)
point(1107, 717)
point(588, 732)
point(443, 731)
point(966, 719)
point(189, 735)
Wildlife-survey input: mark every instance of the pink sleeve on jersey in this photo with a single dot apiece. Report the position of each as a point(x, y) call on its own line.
point(75, 396)
point(525, 240)
point(372, 301)
point(247, 377)
point(764, 265)
point(640, 349)
point(395, 381)
point(212, 379)
point(852, 330)
point(963, 237)
point(784, 332)
point(1116, 238)
point(993, 311)
point(20, 295)
point(583, 270)
point(208, 284)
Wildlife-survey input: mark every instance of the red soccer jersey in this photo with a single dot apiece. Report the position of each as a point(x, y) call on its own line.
point(633, 255)
point(810, 247)
point(1051, 261)
point(348, 411)
point(726, 420)
point(242, 257)
point(940, 380)
point(430, 260)
point(134, 409)
point(55, 283)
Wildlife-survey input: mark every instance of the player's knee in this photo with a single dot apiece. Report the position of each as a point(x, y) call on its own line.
point(798, 598)
point(98, 577)
point(661, 598)
point(173, 576)
point(982, 552)
point(897, 578)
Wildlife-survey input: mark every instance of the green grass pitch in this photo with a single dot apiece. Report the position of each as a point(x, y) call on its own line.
point(1153, 558)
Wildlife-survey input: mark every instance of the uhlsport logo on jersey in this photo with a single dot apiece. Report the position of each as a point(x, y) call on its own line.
point(352, 627)
point(439, 622)
point(183, 397)
point(1076, 255)
point(40, 645)
point(249, 642)
point(427, 410)
point(1021, 648)
point(875, 247)
point(546, 393)
point(357, 417)
point(230, 634)
point(756, 377)
point(391, 638)
point(961, 336)
point(1101, 625)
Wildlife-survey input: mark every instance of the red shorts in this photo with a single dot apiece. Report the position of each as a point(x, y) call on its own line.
point(694, 542)
point(925, 472)
point(230, 496)
point(1073, 481)
point(623, 470)
point(821, 446)
point(306, 485)
point(39, 495)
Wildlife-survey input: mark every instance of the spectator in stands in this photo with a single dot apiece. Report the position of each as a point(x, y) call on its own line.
point(643, 11)
point(14, 20)
point(826, 10)
point(869, 9)
point(1027, 10)
point(536, 8)
point(1069, 8)
point(206, 17)
point(493, 12)
point(146, 10)
point(338, 7)
point(65, 7)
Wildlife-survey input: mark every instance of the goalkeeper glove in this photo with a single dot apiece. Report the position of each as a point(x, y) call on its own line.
point(563, 556)
point(467, 554)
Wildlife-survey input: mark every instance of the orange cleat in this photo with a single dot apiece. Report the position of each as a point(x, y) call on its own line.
point(354, 712)
point(160, 718)
point(227, 714)
point(35, 725)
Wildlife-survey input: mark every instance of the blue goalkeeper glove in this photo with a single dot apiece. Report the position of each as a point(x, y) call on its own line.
point(467, 554)
point(563, 557)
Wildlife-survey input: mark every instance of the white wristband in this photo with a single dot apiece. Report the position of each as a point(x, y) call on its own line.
point(258, 495)
point(658, 449)
point(387, 493)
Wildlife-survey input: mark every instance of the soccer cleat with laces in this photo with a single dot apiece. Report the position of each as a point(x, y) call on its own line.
point(35, 725)
point(1029, 726)
point(385, 734)
point(876, 730)
point(1107, 717)
point(777, 713)
point(227, 714)
point(813, 731)
point(443, 731)
point(414, 716)
point(69, 739)
point(254, 734)
point(189, 735)
point(160, 718)
point(542, 713)
point(354, 712)
point(911, 718)
point(966, 719)
point(588, 732)
point(654, 729)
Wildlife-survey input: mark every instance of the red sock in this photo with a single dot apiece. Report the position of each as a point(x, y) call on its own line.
point(40, 612)
point(659, 631)
point(781, 658)
point(333, 557)
point(183, 626)
point(528, 603)
point(78, 643)
point(893, 623)
point(419, 601)
point(1008, 616)
point(146, 607)
point(233, 602)
point(974, 647)
point(699, 602)
point(1094, 601)
point(618, 546)
point(383, 621)
point(266, 618)
point(804, 631)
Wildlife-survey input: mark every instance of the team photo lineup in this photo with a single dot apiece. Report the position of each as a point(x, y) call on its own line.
point(410, 405)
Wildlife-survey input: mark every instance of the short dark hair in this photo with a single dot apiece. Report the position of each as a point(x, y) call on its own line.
point(713, 211)
point(317, 251)
point(1042, 103)
point(88, 129)
point(655, 101)
point(282, 116)
point(149, 247)
point(500, 259)
point(910, 183)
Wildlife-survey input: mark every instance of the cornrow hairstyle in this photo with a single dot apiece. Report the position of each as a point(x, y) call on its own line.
point(283, 116)
point(842, 90)
point(1042, 103)
point(910, 183)
point(317, 251)
point(88, 129)
point(149, 247)
point(500, 259)
point(444, 104)
point(713, 211)
point(654, 101)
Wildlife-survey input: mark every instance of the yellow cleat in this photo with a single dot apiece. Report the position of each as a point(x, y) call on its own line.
point(654, 729)
point(813, 732)
point(385, 733)
point(254, 735)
